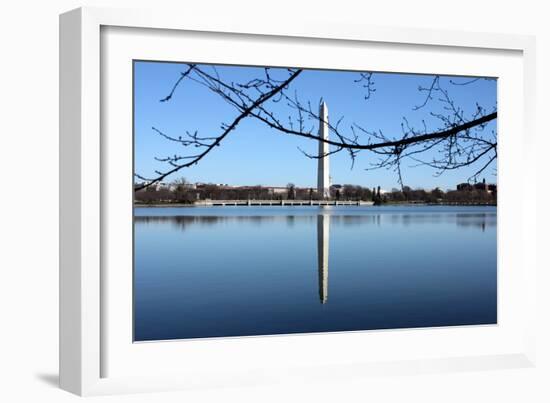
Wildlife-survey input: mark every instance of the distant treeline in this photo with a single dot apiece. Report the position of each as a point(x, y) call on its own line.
point(184, 193)
point(437, 196)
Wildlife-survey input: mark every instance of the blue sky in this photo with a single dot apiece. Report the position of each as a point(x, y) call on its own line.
point(254, 154)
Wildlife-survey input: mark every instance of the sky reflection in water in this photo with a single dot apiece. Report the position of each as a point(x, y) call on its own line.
point(235, 271)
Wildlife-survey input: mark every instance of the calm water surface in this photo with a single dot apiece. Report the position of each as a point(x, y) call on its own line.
point(234, 271)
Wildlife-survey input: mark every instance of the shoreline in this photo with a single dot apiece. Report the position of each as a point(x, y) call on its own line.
point(178, 205)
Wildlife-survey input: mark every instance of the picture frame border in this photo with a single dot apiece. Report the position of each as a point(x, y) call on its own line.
point(80, 309)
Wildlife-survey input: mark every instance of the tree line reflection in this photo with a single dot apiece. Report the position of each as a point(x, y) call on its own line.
point(463, 220)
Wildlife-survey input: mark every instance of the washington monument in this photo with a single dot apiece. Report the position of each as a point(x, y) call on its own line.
point(323, 178)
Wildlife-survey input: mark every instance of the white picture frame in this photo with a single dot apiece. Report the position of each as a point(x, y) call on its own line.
point(91, 342)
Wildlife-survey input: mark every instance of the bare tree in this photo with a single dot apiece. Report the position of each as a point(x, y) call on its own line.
point(291, 191)
point(459, 140)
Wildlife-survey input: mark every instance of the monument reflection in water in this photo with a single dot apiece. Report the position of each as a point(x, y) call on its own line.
point(232, 271)
point(323, 236)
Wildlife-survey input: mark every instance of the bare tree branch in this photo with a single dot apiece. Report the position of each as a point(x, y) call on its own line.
point(227, 130)
point(183, 75)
